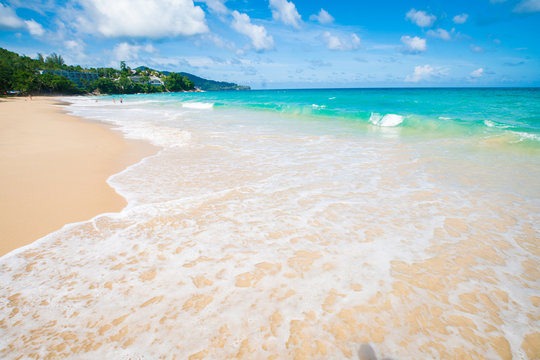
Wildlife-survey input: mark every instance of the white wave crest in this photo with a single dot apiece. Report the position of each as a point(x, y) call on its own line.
point(388, 120)
point(492, 124)
point(198, 105)
point(525, 136)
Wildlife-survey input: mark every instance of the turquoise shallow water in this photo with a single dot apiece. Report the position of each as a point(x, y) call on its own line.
point(434, 112)
point(298, 224)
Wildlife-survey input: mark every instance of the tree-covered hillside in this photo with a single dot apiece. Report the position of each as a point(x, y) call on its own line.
point(211, 85)
point(21, 73)
point(50, 75)
point(204, 84)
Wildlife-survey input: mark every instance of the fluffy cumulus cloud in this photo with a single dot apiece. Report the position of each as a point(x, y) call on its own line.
point(440, 33)
point(335, 42)
point(140, 18)
point(421, 18)
point(527, 6)
point(285, 11)
point(460, 19)
point(420, 73)
point(257, 33)
point(477, 73)
point(323, 17)
point(10, 21)
point(34, 28)
point(413, 45)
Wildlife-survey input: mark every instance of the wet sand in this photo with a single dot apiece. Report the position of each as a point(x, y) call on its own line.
point(54, 169)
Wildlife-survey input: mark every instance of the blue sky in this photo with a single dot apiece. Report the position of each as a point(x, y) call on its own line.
point(291, 44)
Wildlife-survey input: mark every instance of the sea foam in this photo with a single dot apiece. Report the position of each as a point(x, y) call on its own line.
point(198, 105)
point(388, 120)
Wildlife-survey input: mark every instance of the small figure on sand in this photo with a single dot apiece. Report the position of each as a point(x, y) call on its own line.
point(114, 101)
point(121, 101)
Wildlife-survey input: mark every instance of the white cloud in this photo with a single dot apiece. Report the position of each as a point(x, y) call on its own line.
point(323, 17)
point(125, 51)
point(477, 73)
point(9, 19)
point(440, 33)
point(34, 28)
point(420, 73)
point(421, 18)
point(217, 6)
point(73, 45)
point(355, 41)
point(285, 11)
point(140, 18)
point(528, 6)
point(334, 42)
point(75, 51)
point(476, 49)
point(413, 45)
point(460, 19)
point(218, 41)
point(257, 33)
point(426, 72)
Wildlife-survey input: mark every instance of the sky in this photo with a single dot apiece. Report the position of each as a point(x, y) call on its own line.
point(291, 44)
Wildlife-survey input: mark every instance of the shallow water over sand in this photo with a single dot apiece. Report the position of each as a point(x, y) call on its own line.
point(259, 236)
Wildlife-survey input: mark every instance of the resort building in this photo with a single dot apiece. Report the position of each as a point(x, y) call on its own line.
point(78, 77)
point(153, 80)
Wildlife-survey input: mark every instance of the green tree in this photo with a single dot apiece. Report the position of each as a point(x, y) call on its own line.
point(5, 77)
point(126, 70)
point(106, 86)
point(54, 60)
point(176, 82)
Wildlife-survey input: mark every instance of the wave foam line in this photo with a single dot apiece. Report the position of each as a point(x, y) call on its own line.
point(198, 105)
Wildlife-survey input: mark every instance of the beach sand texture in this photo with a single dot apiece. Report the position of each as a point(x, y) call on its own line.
point(54, 169)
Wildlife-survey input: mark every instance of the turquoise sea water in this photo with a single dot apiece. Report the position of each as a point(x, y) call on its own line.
point(298, 224)
point(436, 112)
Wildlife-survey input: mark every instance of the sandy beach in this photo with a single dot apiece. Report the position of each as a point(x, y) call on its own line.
point(54, 169)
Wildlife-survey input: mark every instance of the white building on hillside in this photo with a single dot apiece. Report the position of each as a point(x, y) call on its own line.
point(153, 80)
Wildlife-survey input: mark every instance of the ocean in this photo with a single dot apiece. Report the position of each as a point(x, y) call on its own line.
point(298, 224)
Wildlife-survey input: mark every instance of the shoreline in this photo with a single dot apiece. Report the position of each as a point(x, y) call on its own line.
point(55, 168)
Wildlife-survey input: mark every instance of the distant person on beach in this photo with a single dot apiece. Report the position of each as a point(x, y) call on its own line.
point(114, 101)
point(121, 101)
